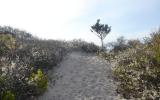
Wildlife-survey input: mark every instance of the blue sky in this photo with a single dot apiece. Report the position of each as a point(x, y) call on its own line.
point(70, 19)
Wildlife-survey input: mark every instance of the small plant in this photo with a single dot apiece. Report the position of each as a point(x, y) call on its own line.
point(39, 80)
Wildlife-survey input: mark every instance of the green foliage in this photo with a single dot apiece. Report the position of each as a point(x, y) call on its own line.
point(155, 45)
point(7, 43)
point(8, 40)
point(138, 71)
point(8, 95)
point(40, 81)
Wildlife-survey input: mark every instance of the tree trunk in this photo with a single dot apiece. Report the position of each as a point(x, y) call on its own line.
point(102, 44)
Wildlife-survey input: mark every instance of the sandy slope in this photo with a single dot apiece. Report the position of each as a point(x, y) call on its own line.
point(81, 76)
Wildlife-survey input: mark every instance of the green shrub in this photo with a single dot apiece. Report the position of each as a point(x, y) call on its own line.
point(39, 80)
point(8, 95)
point(7, 43)
point(19, 52)
point(138, 71)
point(155, 45)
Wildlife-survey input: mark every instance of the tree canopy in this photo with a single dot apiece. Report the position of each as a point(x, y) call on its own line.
point(101, 30)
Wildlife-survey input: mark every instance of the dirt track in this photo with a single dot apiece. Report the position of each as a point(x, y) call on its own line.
point(81, 76)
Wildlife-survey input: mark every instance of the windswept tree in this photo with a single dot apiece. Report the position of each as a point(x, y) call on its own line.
point(101, 30)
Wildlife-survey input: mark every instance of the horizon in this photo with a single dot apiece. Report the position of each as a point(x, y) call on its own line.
point(70, 19)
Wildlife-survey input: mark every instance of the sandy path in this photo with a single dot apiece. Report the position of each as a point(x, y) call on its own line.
point(81, 76)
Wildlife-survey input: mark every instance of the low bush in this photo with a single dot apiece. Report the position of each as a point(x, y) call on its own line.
point(79, 45)
point(138, 71)
point(39, 81)
point(90, 47)
point(24, 62)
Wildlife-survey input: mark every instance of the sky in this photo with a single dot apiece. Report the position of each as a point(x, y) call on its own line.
point(72, 19)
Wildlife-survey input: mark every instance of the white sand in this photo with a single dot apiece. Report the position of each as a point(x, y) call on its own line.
point(81, 76)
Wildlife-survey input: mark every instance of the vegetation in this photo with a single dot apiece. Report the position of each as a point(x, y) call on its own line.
point(101, 30)
point(79, 45)
point(137, 67)
point(16, 65)
point(25, 61)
